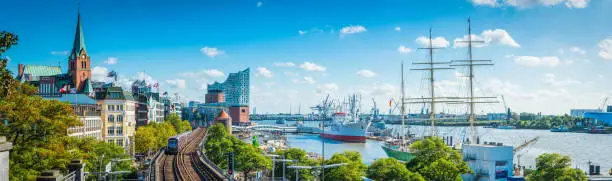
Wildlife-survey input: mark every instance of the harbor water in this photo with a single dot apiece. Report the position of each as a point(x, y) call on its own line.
point(581, 147)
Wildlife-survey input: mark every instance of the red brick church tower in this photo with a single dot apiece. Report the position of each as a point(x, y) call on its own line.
point(79, 64)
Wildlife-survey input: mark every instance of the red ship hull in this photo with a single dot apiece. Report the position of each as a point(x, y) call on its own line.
point(356, 139)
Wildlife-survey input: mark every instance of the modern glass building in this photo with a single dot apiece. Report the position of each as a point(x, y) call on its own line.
point(236, 88)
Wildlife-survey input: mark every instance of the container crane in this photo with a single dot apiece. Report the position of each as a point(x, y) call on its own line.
point(508, 112)
point(603, 104)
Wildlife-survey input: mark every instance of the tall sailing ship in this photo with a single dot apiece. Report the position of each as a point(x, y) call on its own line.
point(399, 149)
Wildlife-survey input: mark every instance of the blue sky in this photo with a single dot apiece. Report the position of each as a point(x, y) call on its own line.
point(550, 55)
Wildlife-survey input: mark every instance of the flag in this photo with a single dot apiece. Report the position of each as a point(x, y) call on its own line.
point(73, 90)
point(92, 94)
point(156, 85)
point(64, 89)
point(165, 93)
point(112, 74)
point(390, 102)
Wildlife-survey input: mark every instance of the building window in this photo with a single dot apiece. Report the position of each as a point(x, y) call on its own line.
point(121, 107)
point(120, 131)
point(120, 143)
point(111, 118)
point(108, 107)
point(119, 118)
point(111, 131)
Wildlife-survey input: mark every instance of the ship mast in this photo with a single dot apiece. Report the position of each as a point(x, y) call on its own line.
point(431, 67)
point(403, 107)
point(470, 63)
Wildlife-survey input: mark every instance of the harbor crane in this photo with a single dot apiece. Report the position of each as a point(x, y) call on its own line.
point(508, 112)
point(603, 104)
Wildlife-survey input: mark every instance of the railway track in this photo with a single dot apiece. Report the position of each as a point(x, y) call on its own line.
point(187, 165)
point(186, 170)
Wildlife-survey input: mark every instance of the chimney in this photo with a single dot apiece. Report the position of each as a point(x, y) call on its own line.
point(20, 71)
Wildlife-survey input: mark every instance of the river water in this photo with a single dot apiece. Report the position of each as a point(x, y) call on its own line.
point(581, 147)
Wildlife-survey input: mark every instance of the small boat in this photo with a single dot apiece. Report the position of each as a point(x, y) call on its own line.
point(561, 128)
point(395, 149)
point(597, 130)
point(506, 127)
point(281, 121)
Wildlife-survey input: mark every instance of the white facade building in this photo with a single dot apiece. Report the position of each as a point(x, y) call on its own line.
point(489, 161)
point(156, 110)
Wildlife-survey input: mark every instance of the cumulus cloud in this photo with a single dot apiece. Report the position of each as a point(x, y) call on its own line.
point(551, 79)
point(259, 4)
point(111, 60)
point(99, 73)
point(177, 83)
point(577, 50)
point(491, 3)
point(353, 29)
point(309, 66)
point(305, 80)
point(288, 73)
point(490, 37)
point(366, 73)
point(533, 61)
point(605, 48)
point(398, 28)
point(206, 73)
point(63, 53)
point(262, 71)
point(302, 32)
point(211, 52)
point(328, 88)
point(437, 42)
point(284, 64)
point(531, 3)
point(385, 89)
point(403, 49)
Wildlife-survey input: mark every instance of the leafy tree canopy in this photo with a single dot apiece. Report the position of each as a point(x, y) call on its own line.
point(392, 170)
point(354, 170)
point(436, 161)
point(555, 167)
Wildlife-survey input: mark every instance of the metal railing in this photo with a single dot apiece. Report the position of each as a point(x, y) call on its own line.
point(70, 177)
point(153, 165)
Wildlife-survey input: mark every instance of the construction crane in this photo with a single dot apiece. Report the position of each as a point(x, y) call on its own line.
point(508, 112)
point(603, 104)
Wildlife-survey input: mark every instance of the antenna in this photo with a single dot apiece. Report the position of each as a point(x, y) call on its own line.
point(470, 63)
point(431, 67)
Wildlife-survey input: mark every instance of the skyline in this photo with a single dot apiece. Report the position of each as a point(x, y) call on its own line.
point(548, 59)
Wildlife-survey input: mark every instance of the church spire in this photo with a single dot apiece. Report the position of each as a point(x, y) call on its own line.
point(79, 39)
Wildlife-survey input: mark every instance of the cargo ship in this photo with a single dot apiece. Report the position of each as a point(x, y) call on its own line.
point(346, 126)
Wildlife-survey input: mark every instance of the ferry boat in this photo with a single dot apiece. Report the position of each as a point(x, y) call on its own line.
point(281, 121)
point(561, 128)
point(347, 127)
point(506, 127)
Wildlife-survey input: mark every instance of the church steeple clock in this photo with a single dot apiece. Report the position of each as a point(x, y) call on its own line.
point(79, 64)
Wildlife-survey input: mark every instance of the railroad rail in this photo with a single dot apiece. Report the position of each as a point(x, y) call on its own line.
point(189, 164)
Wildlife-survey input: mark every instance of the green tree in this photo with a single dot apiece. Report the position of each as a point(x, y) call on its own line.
point(145, 140)
point(354, 170)
point(249, 159)
point(302, 157)
point(218, 144)
point(555, 167)
point(436, 161)
point(255, 142)
point(163, 131)
point(392, 170)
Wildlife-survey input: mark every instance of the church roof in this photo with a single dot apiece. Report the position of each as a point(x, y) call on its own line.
point(79, 39)
point(35, 71)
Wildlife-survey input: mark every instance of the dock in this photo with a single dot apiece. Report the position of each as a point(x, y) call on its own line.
point(527, 143)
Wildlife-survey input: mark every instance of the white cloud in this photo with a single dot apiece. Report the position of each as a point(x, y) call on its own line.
point(328, 88)
point(577, 50)
point(403, 49)
point(551, 79)
point(63, 53)
point(214, 73)
point(491, 3)
point(211, 51)
point(386, 89)
point(302, 32)
point(353, 29)
point(177, 83)
point(284, 64)
point(531, 3)
point(490, 37)
point(605, 48)
point(207, 73)
point(264, 72)
point(309, 66)
point(288, 73)
point(366, 73)
point(259, 4)
point(577, 3)
point(305, 80)
point(439, 42)
point(99, 73)
point(497, 87)
point(111, 60)
point(532, 61)
point(398, 28)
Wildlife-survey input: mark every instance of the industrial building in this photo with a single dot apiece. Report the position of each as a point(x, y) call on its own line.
point(490, 161)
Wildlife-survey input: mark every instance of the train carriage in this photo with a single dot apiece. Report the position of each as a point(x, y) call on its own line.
point(175, 142)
